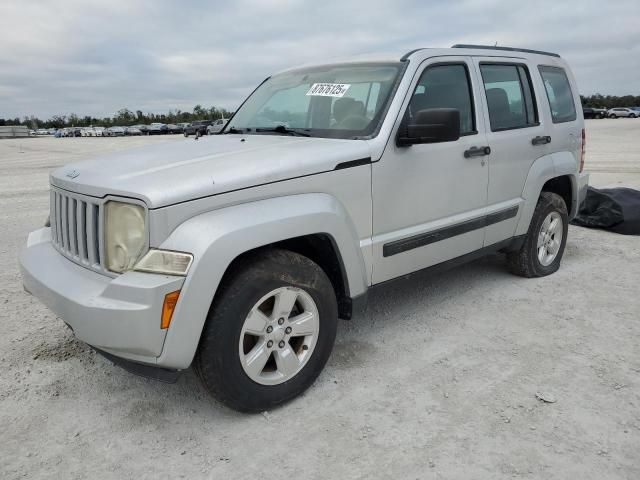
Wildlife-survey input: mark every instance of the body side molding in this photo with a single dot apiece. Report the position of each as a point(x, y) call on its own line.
point(423, 239)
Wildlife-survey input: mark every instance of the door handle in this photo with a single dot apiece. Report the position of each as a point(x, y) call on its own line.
point(477, 152)
point(540, 140)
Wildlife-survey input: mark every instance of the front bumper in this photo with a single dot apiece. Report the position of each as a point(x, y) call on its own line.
point(120, 315)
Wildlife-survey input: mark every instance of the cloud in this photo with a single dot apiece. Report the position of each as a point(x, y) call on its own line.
point(97, 57)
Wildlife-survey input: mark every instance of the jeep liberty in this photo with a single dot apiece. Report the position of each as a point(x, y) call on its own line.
point(237, 253)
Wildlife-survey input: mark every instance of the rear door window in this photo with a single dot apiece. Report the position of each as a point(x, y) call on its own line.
point(559, 93)
point(510, 98)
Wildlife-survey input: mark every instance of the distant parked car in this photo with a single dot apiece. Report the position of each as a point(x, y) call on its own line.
point(173, 128)
point(157, 129)
point(115, 132)
point(99, 131)
point(132, 131)
point(87, 132)
point(588, 112)
point(75, 132)
point(42, 131)
point(144, 129)
point(622, 112)
point(216, 126)
point(199, 126)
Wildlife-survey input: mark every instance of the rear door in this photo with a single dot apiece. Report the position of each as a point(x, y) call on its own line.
point(516, 135)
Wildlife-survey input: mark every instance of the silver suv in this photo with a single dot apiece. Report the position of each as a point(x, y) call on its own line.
point(622, 112)
point(237, 253)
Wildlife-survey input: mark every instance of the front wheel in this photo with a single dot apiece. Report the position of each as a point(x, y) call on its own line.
point(544, 244)
point(633, 115)
point(269, 333)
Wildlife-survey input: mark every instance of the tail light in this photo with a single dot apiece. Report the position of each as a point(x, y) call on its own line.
point(583, 149)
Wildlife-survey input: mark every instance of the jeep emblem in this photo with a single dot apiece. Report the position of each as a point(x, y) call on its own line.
point(73, 174)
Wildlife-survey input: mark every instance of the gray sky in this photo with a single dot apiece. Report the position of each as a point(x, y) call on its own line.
point(95, 57)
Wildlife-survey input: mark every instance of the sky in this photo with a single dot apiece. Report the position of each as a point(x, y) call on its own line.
point(95, 57)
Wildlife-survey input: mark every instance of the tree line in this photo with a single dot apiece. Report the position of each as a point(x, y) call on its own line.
point(609, 101)
point(126, 117)
point(123, 117)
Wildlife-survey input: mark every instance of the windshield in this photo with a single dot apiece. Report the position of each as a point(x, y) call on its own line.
point(331, 101)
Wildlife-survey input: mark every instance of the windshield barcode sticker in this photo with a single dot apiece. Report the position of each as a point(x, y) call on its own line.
point(328, 89)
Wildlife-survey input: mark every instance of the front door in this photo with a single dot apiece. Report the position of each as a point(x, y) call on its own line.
point(429, 200)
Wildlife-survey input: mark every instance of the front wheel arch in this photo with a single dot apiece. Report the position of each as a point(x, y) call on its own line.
point(218, 237)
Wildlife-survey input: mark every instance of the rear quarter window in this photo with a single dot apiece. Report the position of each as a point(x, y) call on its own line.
point(559, 94)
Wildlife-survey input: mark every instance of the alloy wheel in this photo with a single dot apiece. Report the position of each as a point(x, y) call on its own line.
point(550, 238)
point(279, 335)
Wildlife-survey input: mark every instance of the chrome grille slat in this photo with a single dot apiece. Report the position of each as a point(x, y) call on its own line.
point(73, 237)
point(100, 234)
point(81, 238)
point(58, 220)
point(92, 242)
point(65, 222)
point(76, 228)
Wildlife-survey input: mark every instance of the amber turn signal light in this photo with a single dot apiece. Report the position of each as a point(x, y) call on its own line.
point(169, 305)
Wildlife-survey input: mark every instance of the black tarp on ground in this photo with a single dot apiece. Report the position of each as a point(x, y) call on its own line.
point(614, 209)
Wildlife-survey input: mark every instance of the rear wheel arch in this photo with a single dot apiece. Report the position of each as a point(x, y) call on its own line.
point(562, 186)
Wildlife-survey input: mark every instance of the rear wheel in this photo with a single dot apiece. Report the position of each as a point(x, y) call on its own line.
point(269, 333)
point(545, 241)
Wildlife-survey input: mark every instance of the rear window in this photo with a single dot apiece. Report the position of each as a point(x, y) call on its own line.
point(559, 93)
point(510, 99)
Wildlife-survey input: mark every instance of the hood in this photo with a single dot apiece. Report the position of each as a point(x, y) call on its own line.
point(185, 169)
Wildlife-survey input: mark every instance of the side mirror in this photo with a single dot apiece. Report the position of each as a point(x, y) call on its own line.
point(433, 125)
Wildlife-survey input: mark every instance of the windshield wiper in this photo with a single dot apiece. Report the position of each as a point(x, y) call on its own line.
point(236, 130)
point(284, 129)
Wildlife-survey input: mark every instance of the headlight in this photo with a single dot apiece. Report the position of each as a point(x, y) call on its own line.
point(165, 261)
point(124, 235)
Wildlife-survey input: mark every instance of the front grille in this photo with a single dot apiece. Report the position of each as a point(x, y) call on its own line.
point(76, 228)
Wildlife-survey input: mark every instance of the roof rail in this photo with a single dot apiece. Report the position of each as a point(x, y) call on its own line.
point(507, 49)
point(409, 53)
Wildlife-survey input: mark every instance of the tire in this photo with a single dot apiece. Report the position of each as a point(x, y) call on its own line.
point(221, 358)
point(186, 135)
point(633, 115)
point(529, 261)
point(613, 116)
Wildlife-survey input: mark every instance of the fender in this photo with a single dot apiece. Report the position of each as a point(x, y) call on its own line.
point(218, 237)
point(565, 164)
point(542, 170)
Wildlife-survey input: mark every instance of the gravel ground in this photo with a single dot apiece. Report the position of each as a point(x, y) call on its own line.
point(438, 380)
